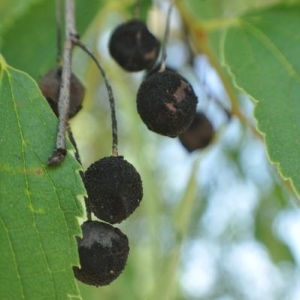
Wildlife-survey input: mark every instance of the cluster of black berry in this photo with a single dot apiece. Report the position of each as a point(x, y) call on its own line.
point(114, 190)
point(166, 103)
point(50, 87)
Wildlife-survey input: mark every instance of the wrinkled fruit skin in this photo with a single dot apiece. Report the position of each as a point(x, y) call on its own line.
point(114, 188)
point(166, 103)
point(133, 46)
point(103, 252)
point(199, 134)
point(50, 85)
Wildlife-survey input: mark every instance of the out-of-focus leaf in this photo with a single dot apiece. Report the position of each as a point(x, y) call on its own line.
point(213, 9)
point(11, 9)
point(267, 211)
point(29, 43)
point(38, 204)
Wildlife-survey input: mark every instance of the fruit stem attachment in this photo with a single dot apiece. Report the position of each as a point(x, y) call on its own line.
point(60, 152)
point(111, 98)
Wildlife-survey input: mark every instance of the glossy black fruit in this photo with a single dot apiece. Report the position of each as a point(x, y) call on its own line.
point(50, 85)
point(114, 188)
point(199, 134)
point(133, 46)
point(166, 103)
point(103, 252)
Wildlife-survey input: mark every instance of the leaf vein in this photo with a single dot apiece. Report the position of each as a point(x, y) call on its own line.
point(28, 195)
point(262, 37)
point(14, 255)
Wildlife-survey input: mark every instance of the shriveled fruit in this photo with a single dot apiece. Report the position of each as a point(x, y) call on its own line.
point(50, 85)
point(114, 188)
point(103, 252)
point(166, 102)
point(133, 46)
point(199, 134)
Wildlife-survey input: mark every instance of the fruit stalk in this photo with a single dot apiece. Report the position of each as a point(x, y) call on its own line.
point(166, 35)
point(111, 98)
point(137, 10)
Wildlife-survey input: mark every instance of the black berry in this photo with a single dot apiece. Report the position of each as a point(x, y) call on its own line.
point(114, 188)
point(50, 85)
point(103, 252)
point(166, 103)
point(133, 46)
point(199, 134)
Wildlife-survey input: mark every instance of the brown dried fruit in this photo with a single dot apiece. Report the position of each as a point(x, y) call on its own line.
point(50, 85)
point(199, 134)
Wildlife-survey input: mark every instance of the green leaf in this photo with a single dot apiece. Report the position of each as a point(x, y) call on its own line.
point(10, 10)
point(203, 9)
point(29, 43)
point(38, 204)
point(262, 54)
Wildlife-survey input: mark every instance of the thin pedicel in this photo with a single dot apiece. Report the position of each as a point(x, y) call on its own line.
point(111, 98)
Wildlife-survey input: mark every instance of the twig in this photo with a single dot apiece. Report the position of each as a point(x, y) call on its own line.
point(58, 21)
point(137, 9)
point(210, 96)
point(166, 35)
point(111, 98)
point(161, 64)
point(60, 152)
